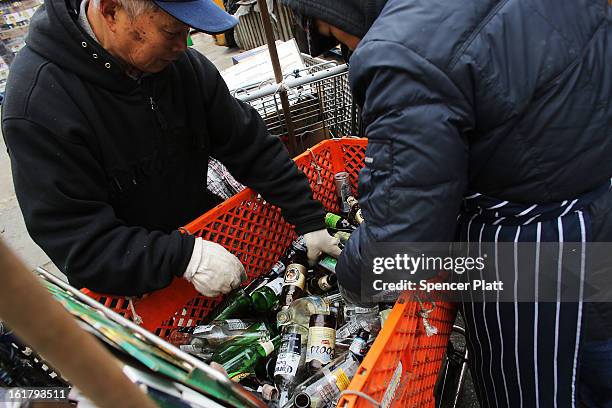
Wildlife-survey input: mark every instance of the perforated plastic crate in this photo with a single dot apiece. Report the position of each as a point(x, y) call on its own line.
point(400, 369)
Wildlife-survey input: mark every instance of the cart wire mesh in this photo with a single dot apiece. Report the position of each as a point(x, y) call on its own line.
point(321, 103)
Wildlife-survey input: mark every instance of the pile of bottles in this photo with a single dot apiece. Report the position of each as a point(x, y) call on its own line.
point(289, 336)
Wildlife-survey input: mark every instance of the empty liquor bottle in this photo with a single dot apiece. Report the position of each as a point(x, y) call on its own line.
point(241, 362)
point(343, 189)
point(355, 324)
point(237, 304)
point(337, 222)
point(320, 284)
point(266, 297)
point(300, 310)
point(354, 216)
point(324, 387)
point(321, 346)
point(359, 345)
point(289, 363)
point(206, 339)
point(352, 311)
point(294, 282)
point(278, 269)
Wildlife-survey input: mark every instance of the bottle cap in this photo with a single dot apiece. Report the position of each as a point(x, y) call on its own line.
point(282, 316)
point(268, 347)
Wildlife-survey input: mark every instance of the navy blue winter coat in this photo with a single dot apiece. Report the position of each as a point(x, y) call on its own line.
point(507, 98)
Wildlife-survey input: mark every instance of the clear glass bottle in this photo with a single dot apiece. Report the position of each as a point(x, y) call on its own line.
point(206, 339)
point(324, 387)
point(290, 361)
point(300, 310)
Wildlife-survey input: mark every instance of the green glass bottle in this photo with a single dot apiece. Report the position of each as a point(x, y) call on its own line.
point(328, 263)
point(236, 304)
point(338, 222)
point(241, 362)
point(266, 297)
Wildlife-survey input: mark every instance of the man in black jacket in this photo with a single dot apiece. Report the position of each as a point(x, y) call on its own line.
point(496, 114)
point(109, 122)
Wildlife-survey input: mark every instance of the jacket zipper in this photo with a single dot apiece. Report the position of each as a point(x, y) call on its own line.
point(158, 115)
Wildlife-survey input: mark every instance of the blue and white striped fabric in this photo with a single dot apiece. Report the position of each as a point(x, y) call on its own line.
point(526, 354)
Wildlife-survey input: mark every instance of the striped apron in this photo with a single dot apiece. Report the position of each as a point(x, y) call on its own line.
point(526, 354)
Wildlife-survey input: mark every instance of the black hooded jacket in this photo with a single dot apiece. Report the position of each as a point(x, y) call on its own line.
point(106, 168)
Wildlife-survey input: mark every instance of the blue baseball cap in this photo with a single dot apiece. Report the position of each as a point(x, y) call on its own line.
point(203, 15)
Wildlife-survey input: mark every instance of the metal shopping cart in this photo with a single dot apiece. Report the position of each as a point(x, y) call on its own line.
point(322, 106)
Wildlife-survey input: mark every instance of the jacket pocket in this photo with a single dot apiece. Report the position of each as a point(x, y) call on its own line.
point(375, 184)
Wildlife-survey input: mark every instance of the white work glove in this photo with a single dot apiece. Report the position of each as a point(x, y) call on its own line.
point(318, 242)
point(213, 270)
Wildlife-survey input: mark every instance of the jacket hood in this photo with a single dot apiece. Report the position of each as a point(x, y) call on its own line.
point(55, 34)
point(352, 16)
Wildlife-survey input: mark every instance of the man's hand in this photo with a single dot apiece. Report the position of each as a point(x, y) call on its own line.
point(213, 270)
point(320, 241)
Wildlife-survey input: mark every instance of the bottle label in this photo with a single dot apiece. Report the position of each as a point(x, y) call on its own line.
point(342, 380)
point(331, 220)
point(295, 275)
point(321, 344)
point(277, 269)
point(348, 329)
point(328, 263)
point(324, 284)
point(359, 217)
point(276, 285)
point(236, 324)
point(240, 376)
point(268, 347)
point(362, 310)
point(358, 346)
point(289, 355)
point(203, 329)
point(327, 392)
point(330, 389)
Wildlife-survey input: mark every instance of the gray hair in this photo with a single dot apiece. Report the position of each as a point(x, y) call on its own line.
point(134, 8)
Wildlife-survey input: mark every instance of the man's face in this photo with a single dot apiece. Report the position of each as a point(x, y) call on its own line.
point(149, 42)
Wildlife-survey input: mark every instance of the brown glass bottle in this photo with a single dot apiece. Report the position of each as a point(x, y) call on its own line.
point(294, 281)
point(322, 283)
point(354, 215)
point(321, 347)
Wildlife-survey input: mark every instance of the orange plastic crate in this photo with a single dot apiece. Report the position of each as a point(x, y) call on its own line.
point(401, 367)
point(257, 234)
